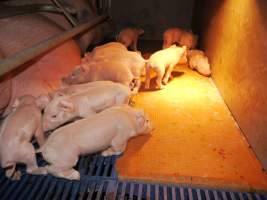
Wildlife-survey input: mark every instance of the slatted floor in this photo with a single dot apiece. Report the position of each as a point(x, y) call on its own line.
point(99, 181)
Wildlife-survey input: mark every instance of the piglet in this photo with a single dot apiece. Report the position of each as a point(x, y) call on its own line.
point(64, 108)
point(161, 61)
point(107, 131)
point(100, 51)
point(198, 61)
point(16, 133)
point(179, 36)
point(129, 37)
point(113, 70)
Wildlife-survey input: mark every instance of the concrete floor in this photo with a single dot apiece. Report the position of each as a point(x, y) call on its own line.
point(196, 140)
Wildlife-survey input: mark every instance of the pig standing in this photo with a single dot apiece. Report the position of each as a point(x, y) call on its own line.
point(107, 131)
point(180, 37)
point(199, 62)
point(129, 37)
point(161, 61)
point(116, 71)
point(64, 108)
point(16, 133)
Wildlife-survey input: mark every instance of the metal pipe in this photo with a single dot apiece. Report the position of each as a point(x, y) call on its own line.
point(13, 61)
point(67, 15)
point(9, 11)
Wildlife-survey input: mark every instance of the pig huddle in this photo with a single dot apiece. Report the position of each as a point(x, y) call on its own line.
point(95, 99)
point(106, 123)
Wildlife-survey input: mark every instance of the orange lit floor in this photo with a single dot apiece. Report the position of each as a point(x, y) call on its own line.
point(196, 140)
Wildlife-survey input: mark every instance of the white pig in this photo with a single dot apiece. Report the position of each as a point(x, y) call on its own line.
point(64, 108)
point(16, 133)
point(161, 61)
point(199, 62)
point(116, 71)
point(179, 36)
point(129, 37)
point(107, 131)
point(102, 50)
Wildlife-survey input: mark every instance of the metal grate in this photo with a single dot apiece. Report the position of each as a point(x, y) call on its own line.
point(99, 181)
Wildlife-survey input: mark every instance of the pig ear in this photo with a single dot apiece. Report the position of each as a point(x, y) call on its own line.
point(141, 31)
point(15, 104)
point(43, 100)
point(66, 105)
point(56, 94)
point(140, 118)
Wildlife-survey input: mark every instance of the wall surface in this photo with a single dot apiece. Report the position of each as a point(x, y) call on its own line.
point(154, 16)
point(233, 34)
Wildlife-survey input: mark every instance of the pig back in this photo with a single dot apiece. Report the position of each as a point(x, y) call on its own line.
point(93, 133)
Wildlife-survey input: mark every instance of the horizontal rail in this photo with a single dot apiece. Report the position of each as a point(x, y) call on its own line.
point(10, 63)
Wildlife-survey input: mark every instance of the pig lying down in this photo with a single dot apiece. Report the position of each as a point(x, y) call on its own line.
point(16, 133)
point(163, 62)
point(199, 62)
point(129, 37)
point(64, 108)
point(100, 51)
point(107, 131)
point(115, 71)
point(180, 37)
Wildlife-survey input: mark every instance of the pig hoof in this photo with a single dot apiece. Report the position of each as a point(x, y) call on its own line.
point(16, 176)
point(108, 152)
point(118, 153)
point(75, 176)
point(160, 87)
point(165, 82)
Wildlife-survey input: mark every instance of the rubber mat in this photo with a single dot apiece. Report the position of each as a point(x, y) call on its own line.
point(196, 141)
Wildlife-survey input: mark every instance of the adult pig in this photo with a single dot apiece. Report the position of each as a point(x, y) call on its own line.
point(179, 36)
point(199, 62)
point(129, 37)
point(115, 71)
point(161, 61)
point(65, 108)
point(16, 133)
point(107, 131)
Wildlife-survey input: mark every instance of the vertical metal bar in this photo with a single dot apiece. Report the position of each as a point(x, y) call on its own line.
point(140, 188)
point(199, 197)
point(165, 195)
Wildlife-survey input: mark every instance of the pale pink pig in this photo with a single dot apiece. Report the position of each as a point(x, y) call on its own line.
point(64, 108)
point(179, 36)
point(163, 62)
point(116, 71)
point(199, 62)
point(16, 133)
point(100, 51)
point(107, 131)
point(129, 37)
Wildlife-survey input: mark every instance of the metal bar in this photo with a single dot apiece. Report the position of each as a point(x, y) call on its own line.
point(66, 14)
point(9, 11)
point(12, 62)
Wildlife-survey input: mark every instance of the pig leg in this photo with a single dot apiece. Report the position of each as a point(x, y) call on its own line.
point(39, 134)
point(27, 155)
point(118, 145)
point(168, 74)
point(147, 84)
point(10, 171)
point(16, 176)
point(137, 85)
point(134, 44)
point(160, 73)
point(65, 172)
